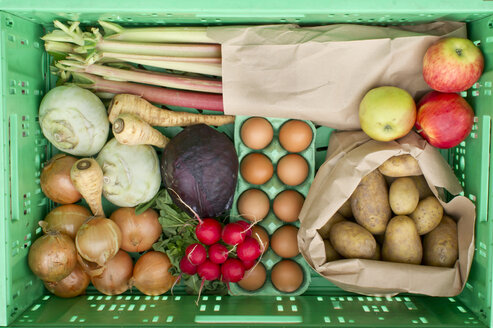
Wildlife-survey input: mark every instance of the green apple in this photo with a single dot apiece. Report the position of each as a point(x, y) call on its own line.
point(387, 113)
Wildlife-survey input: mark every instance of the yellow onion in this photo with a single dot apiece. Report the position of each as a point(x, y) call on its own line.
point(98, 240)
point(139, 232)
point(116, 276)
point(65, 219)
point(151, 273)
point(91, 268)
point(52, 257)
point(72, 285)
point(55, 180)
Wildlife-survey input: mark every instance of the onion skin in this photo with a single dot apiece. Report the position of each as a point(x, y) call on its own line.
point(65, 219)
point(52, 257)
point(55, 180)
point(91, 268)
point(74, 284)
point(139, 232)
point(98, 240)
point(151, 274)
point(116, 276)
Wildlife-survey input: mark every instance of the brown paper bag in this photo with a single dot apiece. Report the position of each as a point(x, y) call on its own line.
point(351, 156)
point(321, 73)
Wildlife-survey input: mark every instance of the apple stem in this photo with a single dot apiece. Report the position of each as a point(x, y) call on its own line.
point(419, 131)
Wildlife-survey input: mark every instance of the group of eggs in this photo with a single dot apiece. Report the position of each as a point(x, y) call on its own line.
point(294, 136)
point(253, 204)
point(286, 275)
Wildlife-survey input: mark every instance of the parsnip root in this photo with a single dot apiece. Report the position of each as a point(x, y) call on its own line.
point(131, 104)
point(87, 176)
point(132, 130)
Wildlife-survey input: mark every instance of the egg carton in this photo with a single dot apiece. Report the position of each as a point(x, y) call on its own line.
point(274, 151)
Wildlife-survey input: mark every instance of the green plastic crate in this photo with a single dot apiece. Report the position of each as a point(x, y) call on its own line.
point(25, 78)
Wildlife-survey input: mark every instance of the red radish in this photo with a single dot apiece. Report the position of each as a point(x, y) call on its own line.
point(218, 253)
point(247, 227)
point(196, 253)
point(233, 234)
point(187, 267)
point(208, 232)
point(207, 271)
point(248, 250)
point(249, 264)
point(232, 270)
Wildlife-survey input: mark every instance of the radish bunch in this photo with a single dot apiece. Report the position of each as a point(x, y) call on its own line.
point(217, 261)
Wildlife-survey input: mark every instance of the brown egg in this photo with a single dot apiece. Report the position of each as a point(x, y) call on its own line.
point(284, 241)
point(287, 205)
point(292, 169)
point(253, 278)
point(253, 205)
point(256, 133)
point(256, 168)
point(287, 276)
point(262, 237)
point(295, 136)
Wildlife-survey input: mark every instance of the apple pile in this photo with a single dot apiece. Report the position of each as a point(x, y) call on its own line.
point(442, 117)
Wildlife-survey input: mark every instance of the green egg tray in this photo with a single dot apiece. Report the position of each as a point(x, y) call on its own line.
point(274, 151)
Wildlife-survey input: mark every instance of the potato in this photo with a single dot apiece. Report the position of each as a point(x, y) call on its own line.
point(440, 245)
point(330, 252)
point(352, 240)
point(378, 253)
point(400, 166)
point(403, 196)
point(402, 243)
point(427, 214)
point(345, 210)
point(423, 188)
point(324, 231)
point(370, 203)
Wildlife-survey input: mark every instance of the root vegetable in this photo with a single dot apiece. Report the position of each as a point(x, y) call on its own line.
point(187, 267)
point(72, 285)
point(131, 104)
point(208, 232)
point(65, 219)
point(196, 253)
point(151, 274)
point(232, 270)
point(116, 276)
point(218, 253)
point(52, 257)
point(55, 180)
point(249, 249)
point(233, 234)
point(87, 177)
point(132, 130)
point(139, 232)
point(98, 240)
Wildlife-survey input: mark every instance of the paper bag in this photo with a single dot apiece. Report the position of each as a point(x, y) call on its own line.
point(321, 73)
point(351, 156)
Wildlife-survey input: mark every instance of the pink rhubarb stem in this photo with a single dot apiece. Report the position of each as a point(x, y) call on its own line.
point(161, 79)
point(190, 99)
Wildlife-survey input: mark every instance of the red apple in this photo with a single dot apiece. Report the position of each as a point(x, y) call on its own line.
point(452, 65)
point(444, 119)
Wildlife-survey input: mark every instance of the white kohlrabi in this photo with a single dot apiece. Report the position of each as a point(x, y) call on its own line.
point(131, 173)
point(74, 120)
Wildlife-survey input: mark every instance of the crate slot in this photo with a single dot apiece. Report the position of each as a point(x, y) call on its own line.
point(248, 319)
